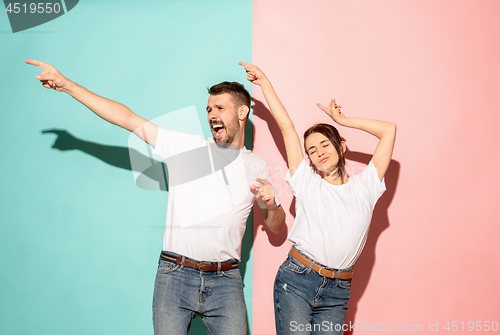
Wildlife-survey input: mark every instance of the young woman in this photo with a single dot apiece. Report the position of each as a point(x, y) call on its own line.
point(333, 213)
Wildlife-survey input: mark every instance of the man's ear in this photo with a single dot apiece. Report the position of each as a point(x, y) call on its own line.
point(243, 112)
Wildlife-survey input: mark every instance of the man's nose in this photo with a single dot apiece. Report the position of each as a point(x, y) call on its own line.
point(214, 115)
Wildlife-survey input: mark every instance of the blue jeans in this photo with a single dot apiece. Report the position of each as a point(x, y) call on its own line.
point(181, 293)
point(307, 303)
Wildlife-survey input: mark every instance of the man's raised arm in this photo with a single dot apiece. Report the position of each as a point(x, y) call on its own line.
point(109, 110)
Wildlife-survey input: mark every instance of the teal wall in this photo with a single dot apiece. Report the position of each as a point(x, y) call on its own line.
point(79, 241)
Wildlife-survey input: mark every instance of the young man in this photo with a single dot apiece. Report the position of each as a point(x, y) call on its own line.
point(206, 214)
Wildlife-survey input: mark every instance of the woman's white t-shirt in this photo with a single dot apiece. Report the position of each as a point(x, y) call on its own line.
point(332, 221)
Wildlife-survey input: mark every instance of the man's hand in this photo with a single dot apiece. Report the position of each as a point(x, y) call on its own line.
point(254, 74)
point(265, 193)
point(333, 111)
point(50, 77)
point(274, 216)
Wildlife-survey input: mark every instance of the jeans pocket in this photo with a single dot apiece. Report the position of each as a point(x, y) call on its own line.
point(294, 266)
point(232, 274)
point(345, 284)
point(167, 267)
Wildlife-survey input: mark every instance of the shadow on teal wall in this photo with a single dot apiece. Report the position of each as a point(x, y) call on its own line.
point(79, 241)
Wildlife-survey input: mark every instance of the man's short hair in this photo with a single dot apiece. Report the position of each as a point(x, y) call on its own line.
point(238, 92)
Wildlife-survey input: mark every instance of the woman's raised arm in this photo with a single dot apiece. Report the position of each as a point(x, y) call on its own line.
point(292, 143)
point(384, 131)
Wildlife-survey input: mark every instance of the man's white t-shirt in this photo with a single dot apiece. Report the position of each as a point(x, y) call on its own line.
point(209, 196)
point(332, 221)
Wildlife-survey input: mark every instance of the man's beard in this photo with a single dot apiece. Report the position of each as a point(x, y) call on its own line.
point(231, 130)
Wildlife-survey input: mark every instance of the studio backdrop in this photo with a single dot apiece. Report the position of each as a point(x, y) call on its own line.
point(81, 232)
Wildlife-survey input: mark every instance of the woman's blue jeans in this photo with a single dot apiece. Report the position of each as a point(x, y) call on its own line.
point(307, 303)
point(181, 293)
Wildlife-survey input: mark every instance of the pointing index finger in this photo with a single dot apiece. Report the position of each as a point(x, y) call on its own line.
point(321, 106)
point(42, 65)
point(262, 181)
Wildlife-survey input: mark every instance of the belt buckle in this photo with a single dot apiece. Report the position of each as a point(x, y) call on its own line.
point(203, 264)
point(333, 273)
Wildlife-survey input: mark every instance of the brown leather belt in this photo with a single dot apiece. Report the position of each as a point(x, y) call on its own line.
point(202, 266)
point(322, 271)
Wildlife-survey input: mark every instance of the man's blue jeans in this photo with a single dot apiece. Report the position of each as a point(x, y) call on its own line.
point(307, 303)
point(181, 293)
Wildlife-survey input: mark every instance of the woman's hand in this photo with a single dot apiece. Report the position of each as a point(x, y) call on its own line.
point(254, 74)
point(333, 111)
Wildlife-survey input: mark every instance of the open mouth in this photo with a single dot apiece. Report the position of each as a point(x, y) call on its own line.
point(218, 130)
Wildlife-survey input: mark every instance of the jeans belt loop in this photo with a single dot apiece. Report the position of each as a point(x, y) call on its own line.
point(309, 269)
point(219, 264)
point(183, 260)
point(339, 274)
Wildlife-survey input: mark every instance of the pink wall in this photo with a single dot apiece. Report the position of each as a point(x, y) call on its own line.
point(431, 66)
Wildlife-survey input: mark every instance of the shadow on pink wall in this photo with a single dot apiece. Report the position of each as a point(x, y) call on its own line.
point(380, 220)
point(260, 110)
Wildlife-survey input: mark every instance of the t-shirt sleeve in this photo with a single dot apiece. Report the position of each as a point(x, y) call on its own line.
point(171, 142)
point(267, 176)
point(371, 182)
point(303, 176)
